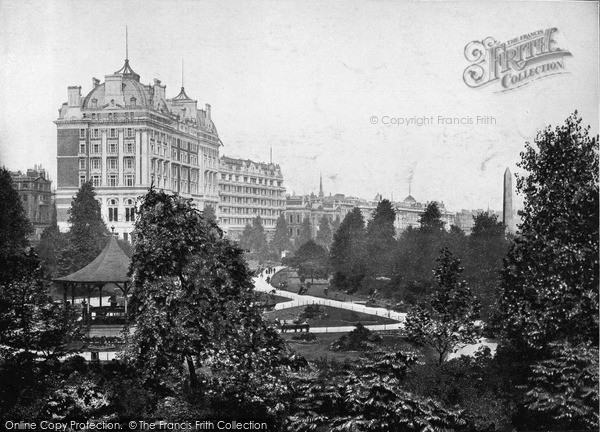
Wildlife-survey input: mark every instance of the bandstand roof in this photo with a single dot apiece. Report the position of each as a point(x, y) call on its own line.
point(111, 265)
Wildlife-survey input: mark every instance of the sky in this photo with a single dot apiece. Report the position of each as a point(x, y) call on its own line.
point(319, 82)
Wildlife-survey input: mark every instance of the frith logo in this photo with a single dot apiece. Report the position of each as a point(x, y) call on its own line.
point(515, 63)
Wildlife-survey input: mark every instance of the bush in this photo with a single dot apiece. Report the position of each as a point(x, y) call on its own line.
point(359, 339)
point(312, 311)
point(307, 337)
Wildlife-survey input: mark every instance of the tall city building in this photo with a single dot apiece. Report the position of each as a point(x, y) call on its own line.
point(124, 136)
point(34, 189)
point(249, 189)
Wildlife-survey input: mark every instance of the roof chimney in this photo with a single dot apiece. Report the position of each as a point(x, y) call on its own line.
point(74, 96)
point(208, 111)
point(95, 82)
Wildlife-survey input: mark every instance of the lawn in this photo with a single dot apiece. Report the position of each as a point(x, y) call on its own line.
point(331, 317)
point(319, 350)
point(317, 289)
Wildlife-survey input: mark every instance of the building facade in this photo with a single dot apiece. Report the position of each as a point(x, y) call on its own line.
point(315, 207)
point(248, 189)
point(125, 136)
point(465, 219)
point(35, 190)
point(409, 211)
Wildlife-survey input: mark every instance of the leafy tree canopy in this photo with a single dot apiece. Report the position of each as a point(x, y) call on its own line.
point(346, 256)
point(310, 260)
point(431, 220)
point(380, 239)
point(305, 233)
point(550, 281)
point(281, 239)
point(192, 294)
point(14, 225)
point(450, 320)
point(487, 226)
point(88, 232)
point(549, 289)
point(324, 235)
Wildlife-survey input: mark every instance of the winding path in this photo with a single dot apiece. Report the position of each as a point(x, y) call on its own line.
point(260, 284)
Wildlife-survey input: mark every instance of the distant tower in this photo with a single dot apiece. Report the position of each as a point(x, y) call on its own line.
point(321, 194)
point(507, 203)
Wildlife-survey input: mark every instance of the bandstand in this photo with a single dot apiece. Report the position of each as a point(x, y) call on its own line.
point(109, 268)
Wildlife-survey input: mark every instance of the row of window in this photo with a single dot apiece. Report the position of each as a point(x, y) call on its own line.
point(245, 221)
point(251, 180)
point(299, 218)
point(112, 163)
point(35, 186)
point(247, 210)
point(112, 133)
point(111, 180)
point(175, 142)
point(112, 147)
point(37, 199)
point(113, 210)
point(246, 200)
point(249, 190)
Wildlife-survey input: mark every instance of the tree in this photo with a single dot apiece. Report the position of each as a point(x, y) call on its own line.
point(487, 226)
point(565, 387)
point(450, 319)
point(192, 296)
point(254, 239)
point(367, 395)
point(335, 224)
point(380, 239)
point(281, 239)
point(431, 220)
point(346, 256)
point(310, 260)
point(305, 233)
point(487, 247)
point(14, 225)
point(209, 213)
point(33, 326)
point(246, 238)
point(359, 339)
point(549, 289)
point(87, 233)
point(324, 234)
point(259, 239)
point(51, 249)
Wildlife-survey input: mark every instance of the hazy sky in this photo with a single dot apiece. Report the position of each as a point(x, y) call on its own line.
point(306, 78)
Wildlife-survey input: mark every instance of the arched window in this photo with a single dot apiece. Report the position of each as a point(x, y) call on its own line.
point(129, 210)
point(113, 210)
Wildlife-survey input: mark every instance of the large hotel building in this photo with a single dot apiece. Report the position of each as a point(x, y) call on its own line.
point(249, 189)
point(125, 136)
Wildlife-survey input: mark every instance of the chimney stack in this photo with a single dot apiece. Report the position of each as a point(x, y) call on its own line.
point(208, 112)
point(74, 93)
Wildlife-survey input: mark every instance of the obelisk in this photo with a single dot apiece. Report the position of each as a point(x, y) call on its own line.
point(507, 203)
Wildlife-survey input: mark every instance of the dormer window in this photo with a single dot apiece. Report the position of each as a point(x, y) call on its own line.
point(133, 101)
point(94, 103)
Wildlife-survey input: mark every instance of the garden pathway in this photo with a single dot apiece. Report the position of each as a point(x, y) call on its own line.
point(260, 284)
